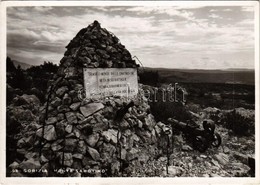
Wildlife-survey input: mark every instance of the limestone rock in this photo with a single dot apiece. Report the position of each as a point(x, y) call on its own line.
point(60, 128)
point(75, 106)
point(49, 133)
point(93, 153)
point(132, 154)
point(149, 122)
point(186, 148)
point(70, 144)
point(61, 91)
point(110, 135)
point(68, 159)
point(27, 100)
point(66, 99)
point(71, 118)
point(56, 102)
point(69, 128)
point(30, 164)
point(174, 171)
point(82, 147)
point(92, 139)
point(222, 158)
point(57, 145)
point(91, 108)
point(14, 165)
point(51, 121)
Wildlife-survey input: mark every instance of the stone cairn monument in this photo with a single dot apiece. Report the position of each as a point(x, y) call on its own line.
point(83, 137)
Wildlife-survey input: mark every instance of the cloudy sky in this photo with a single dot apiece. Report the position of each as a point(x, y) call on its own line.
point(209, 37)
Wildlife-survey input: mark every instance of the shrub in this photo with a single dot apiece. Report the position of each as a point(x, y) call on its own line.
point(240, 122)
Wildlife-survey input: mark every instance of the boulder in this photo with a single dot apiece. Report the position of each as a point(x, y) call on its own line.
point(241, 157)
point(22, 114)
point(93, 153)
point(91, 108)
point(71, 118)
point(92, 139)
point(51, 121)
point(110, 135)
point(61, 91)
point(57, 145)
point(30, 164)
point(56, 102)
point(70, 144)
point(75, 106)
point(132, 154)
point(68, 159)
point(60, 128)
point(82, 147)
point(69, 128)
point(222, 158)
point(149, 122)
point(66, 99)
point(186, 148)
point(49, 133)
point(174, 171)
point(27, 100)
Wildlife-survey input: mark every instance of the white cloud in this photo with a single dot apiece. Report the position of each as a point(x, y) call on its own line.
point(155, 38)
point(215, 16)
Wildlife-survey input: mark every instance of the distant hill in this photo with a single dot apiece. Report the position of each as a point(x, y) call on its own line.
point(237, 76)
point(23, 65)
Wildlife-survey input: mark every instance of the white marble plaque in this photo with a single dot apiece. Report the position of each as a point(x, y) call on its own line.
point(102, 82)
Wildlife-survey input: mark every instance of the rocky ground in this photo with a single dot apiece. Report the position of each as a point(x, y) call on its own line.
point(143, 160)
point(229, 160)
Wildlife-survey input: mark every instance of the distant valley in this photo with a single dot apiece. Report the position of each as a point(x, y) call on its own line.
point(229, 76)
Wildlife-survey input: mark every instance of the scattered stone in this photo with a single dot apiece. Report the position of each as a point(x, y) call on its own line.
point(93, 153)
point(82, 148)
point(30, 164)
point(49, 133)
point(69, 128)
point(56, 102)
point(51, 121)
point(14, 165)
point(71, 118)
point(173, 171)
point(61, 91)
point(241, 157)
point(66, 99)
point(43, 159)
point(91, 108)
point(78, 156)
point(26, 99)
point(75, 106)
point(92, 139)
point(132, 154)
point(215, 163)
point(70, 144)
point(186, 148)
point(222, 158)
point(60, 128)
point(57, 145)
point(68, 159)
point(149, 122)
point(110, 135)
point(203, 156)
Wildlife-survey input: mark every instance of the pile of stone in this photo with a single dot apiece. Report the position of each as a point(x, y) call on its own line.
point(82, 136)
point(95, 47)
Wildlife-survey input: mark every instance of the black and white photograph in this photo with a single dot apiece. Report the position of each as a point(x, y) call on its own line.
point(131, 90)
